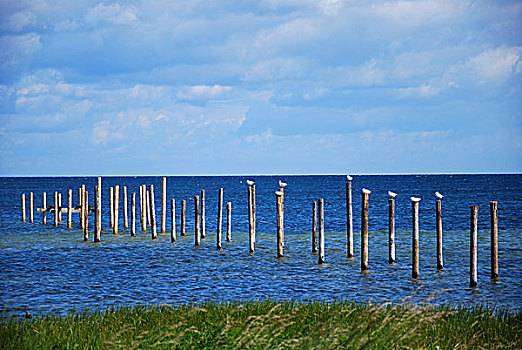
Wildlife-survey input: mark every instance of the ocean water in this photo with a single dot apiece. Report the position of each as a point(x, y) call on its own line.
point(45, 269)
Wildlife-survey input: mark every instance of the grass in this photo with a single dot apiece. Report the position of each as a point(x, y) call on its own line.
point(268, 325)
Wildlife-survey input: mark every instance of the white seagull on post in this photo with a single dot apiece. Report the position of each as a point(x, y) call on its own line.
point(250, 182)
point(349, 177)
point(279, 193)
point(438, 195)
point(282, 184)
point(392, 194)
point(415, 199)
point(367, 191)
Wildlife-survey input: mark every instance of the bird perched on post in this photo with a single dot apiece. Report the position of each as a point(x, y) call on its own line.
point(282, 184)
point(438, 195)
point(250, 182)
point(349, 178)
point(392, 194)
point(367, 191)
point(415, 199)
point(279, 193)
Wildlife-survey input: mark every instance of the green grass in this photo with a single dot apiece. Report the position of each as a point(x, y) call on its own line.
point(268, 325)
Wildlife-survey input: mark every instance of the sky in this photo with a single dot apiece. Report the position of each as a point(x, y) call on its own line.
point(159, 87)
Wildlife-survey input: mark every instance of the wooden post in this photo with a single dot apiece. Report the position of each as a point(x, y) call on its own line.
point(152, 208)
point(438, 216)
point(163, 203)
point(252, 233)
point(349, 219)
point(23, 207)
point(220, 218)
point(82, 208)
point(148, 207)
point(494, 239)
point(44, 205)
point(112, 206)
point(98, 190)
point(203, 234)
point(133, 214)
point(143, 207)
point(125, 208)
point(116, 208)
point(364, 232)
point(473, 246)
point(314, 228)
point(31, 207)
point(197, 234)
point(69, 209)
point(391, 230)
point(56, 208)
point(415, 239)
point(229, 221)
point(86, 204)
point(254, 210)
point(183, 216)
point(60, 206)
point(280, 226)
point(321, 230)
point(172, 220)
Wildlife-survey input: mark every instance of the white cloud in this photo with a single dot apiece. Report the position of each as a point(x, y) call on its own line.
point(203, 92)
point(114, 13)
point(495, 65)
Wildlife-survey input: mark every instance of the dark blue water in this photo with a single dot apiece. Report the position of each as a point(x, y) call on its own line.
point(46, 269)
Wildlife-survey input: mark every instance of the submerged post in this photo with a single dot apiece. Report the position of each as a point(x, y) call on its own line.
point(69, 209)
point(152, 212)
point(56, 208)
point(143, 196)
point(23, 207)
point(112, 206)
point(148, 206)
point(203, 231)
point(183, 215)
point(172, 220)
point(254, 210)
point(60, 206)
point(82, 207)
point(280, 225)
point(494, 239)
point(229, 221)
point(321, 230)
point(86, 229)
point(197, 234)
point(125, 209)
point(473, 246)
point(251, 231)
point(314, 228)
point(133, 214)
point(438, 215)
point(31, 207)
point(116, 208)
point(349, 219)
point(44, 205)
point(391, 230)
point(415, 238)
point(163, 203)
point(98, 190)
point(364, 232)
point(220, 218)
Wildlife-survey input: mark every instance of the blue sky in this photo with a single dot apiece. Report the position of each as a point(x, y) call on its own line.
point(260, 87)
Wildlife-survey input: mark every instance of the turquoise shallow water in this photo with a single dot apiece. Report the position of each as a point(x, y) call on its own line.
point(46, 269)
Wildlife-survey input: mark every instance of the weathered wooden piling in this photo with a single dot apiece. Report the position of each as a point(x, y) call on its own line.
point(254, 210)
point(82, 207)
point(116, 208)
point(391, 230)
point(314, 227)
point(364, 232)
point(112, 206)
point(203, 211)
point(349, 219)
point(473, 246)
point(143, 207)
point(229, 221)
point(69, 208)
point(172, 220)
point(251, 230)
point(44, 207)
point(60, 206)
point(98, 210)
point(197, 233)
point(148, 207)
point(183, 216)
point(23, 207)
point(56, 208)
point(415, 239)
point(133, 214)
point(125, 209)
point(438, 218)
point(152, 207)
point(494, 239)
point(163, 203)
point(86, 220)
point(31, 207)
point(220, 218)
point(321, 230)
point(280, 225)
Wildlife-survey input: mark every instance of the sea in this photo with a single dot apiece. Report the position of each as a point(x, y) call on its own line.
point(51, 270)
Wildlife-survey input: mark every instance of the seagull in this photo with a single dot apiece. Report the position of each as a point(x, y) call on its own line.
point(250, 182)
point(28, 314)
point(392, 194)
point(349, 177)
point(438, 195)
point(364, 190)
point(279, 193)
point(415, 199)
point(282, 184)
